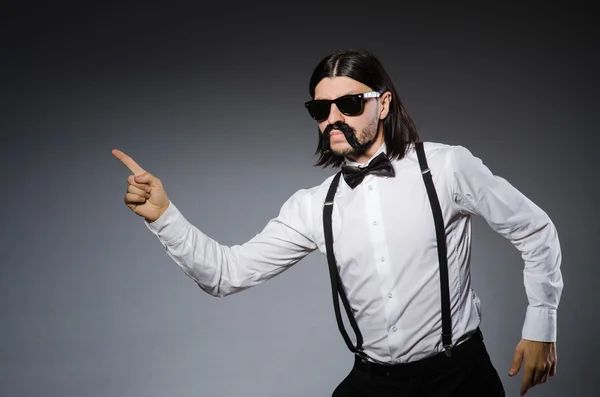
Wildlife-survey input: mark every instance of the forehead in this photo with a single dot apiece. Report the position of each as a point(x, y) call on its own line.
point(334, 87)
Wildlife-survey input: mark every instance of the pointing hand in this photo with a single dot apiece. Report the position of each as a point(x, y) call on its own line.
point(145, 195)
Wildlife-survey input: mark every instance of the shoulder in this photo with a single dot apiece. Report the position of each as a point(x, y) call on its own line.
point(439, 155)
point(305, 199)
point(450, 162)
point(444, 153)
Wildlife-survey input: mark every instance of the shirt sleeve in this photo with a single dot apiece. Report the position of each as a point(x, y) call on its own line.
point(223, 270)
point(514, 216)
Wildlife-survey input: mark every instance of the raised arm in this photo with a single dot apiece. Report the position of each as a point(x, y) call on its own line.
point(218, 269)
point(222, 270)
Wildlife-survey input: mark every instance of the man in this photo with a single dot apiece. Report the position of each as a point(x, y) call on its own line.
point(395, 226)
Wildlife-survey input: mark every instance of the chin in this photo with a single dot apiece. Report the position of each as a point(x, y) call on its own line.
point(340, 148)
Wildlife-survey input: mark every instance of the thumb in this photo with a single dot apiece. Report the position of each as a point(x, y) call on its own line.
point(517, 360)
point(148, 178)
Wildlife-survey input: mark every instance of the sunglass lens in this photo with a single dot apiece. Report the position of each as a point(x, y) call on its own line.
point(350, 105)
point(319, 110)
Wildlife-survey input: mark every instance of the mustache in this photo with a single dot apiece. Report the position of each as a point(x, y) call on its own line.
point(349, 133)
point(343, 127)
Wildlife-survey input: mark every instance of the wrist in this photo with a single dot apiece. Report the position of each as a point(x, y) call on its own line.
point(160, 213)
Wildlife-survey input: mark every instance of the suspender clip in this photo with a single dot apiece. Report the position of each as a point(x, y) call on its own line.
point(363, 356)
point(447, 343)
point(448, 350)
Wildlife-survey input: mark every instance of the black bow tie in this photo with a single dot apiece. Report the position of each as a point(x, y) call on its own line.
point(380, 166)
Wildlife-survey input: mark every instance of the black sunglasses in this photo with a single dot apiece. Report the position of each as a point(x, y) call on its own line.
point(350, 105)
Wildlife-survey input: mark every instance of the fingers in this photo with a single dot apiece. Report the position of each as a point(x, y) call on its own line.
point(132, 198)
point(554, 362)
point(147, 178)
point(145, 195)
point(537, 373)
point(527, 380)
point(517, 361)
point(128, 161)
point(137, 193)
point(140, 192)
point(553, 368)
point(543, 372)
point(142, 186)
point(534, 376)
point(540, 363)
point(139, 174)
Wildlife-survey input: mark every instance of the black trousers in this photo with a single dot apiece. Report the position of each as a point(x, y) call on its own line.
point(468, 373)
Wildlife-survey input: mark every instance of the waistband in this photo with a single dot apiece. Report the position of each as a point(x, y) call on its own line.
point(460, 353)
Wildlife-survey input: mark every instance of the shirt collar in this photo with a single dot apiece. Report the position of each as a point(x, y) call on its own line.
point(354, 163)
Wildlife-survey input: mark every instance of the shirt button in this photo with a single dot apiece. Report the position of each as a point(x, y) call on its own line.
point(370, 187)
point(375, 223)
point(394, 329)
point(390, 295)
point(382, 259)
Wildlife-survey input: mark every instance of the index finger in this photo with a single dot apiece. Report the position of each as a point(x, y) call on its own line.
point(128, 161)
point(527, 381)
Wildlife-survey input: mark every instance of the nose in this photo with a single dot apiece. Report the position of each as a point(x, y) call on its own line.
point(334, 115)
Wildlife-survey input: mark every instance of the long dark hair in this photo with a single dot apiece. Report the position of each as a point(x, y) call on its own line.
point(398, 127)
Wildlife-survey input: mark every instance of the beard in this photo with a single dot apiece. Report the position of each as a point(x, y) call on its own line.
point(359, 142)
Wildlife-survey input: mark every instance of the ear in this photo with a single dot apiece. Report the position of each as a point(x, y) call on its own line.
point(386, 98)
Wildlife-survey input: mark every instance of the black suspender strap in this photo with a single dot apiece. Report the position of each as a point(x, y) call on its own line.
point(442, 250)
point(336, 284)
point(336, 287)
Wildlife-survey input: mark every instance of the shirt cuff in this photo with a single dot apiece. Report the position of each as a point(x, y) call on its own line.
point(170, 226)
point(540, 324)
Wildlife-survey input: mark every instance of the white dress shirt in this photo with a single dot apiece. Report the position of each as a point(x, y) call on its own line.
point(386, 250)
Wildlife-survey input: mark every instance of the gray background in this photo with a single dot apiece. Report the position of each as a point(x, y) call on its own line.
point(210, 100)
